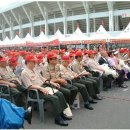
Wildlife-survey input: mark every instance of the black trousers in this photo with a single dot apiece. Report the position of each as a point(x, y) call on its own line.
point(57, 100)
point(82, 89)
point(96, 83)
point(17, 95)
point(70, 92)
point(107, 79)
point(120, 79)
point(88, 85)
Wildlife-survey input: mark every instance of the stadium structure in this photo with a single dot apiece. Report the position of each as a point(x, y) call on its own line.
point(23, 17)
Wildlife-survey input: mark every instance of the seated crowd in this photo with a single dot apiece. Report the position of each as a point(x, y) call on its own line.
point(59, 75)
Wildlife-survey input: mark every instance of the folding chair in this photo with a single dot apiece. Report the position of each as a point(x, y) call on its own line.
point(6, 94)
point(39, 101)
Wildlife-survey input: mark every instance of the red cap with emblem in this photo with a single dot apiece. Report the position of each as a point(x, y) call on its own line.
point(39, 56)
point(30, 58)
point(61, 51)
point(13, 59)
point(71, 55)
point(72, 51)
point(90, 52)
point(79, 53)
point(22, 53)
point(66, 58)
point(51, 55)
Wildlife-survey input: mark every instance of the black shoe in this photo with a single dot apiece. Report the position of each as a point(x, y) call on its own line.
point(28, 115)
point(97, 98)
point(123, 86)
point(88, 106)
point(59, 121)
point(65, 117)
point(126, 79)
point(93, 102)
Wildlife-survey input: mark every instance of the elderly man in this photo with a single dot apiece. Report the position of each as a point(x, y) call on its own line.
point(91, 83)
point(7, 77)
point(33, 80)
point(51, 71)
point(66, 73)
point(95, 66)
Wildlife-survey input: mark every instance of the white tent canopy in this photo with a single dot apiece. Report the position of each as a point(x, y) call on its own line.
point(1, 43)
point(17, 41)
point(77, 37)
point(28, 38)
point(42, 38)
point(101, 34)
point(7, 41)
point(59, 35)
point(125, 34)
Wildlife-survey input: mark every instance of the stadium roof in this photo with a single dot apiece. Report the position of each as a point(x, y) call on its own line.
point(23, 9)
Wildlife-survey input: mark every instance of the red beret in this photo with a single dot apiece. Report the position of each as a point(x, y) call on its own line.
point(79, 53)
point(51, 55)
point(30, 58)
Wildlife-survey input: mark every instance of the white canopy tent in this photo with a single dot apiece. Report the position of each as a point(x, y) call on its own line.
point(29, 41)
point(54, 41)
point(1, 43)
point(59, 36)
point(101, 34)
point(42, 39)
point(17, 41)
point(76, 38)
point(123, 37)
point(7, 42)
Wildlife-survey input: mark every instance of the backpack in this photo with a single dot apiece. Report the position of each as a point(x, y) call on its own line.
point(11, 116)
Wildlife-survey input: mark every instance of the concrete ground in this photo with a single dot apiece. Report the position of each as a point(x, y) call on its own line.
point(113, 112)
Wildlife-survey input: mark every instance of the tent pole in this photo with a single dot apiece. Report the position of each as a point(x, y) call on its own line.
point(81, 45)
point(59, 45)
point(88, 46)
